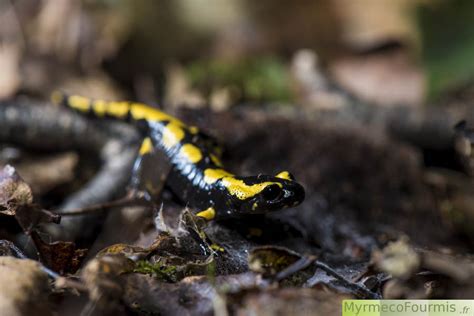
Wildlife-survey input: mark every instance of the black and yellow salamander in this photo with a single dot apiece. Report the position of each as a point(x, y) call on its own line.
point(197, 176)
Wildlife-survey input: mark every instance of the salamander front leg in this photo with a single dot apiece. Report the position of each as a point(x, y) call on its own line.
point(208, 215)
point(195, 225)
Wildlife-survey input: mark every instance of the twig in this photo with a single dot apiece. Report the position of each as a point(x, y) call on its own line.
point(133, 200)
point(305, 261)
point(299, 265)
point(20, 255)
point(358, 290)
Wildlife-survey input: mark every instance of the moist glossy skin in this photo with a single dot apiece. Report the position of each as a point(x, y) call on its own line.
point(197, 176)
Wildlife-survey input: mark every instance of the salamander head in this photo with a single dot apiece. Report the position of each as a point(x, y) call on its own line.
point(270, 193)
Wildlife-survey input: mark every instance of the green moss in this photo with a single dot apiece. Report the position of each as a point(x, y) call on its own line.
point(159, 270)
point(257, 79)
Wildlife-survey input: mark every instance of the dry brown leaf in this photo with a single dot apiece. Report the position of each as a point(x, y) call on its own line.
point(16, 199)
point(61, 256)
point(14, 192)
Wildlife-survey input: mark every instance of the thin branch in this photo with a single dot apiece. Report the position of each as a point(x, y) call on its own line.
point(133, 200)
point(305, 261)
point(358, 289)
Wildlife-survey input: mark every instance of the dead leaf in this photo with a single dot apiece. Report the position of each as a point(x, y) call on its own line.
point(13, 191)
point(16, 199)
point(269, 260)
point(129, 251)
point(60, 256)
point(101, 277)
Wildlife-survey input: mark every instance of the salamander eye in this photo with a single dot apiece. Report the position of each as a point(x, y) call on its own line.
point(272, 192)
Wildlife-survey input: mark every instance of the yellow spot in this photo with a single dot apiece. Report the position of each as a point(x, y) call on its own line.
point(193, 129)
point(191, 152)
point(146, 146)
point(234, 186)
point(116, 248)
point(172, 134)
point(242, 191)
point(216, 247)
point(212, 175)
point(215, 160)
point(57, 97)
point(118, 109)
point(284, 175)
point(79, 103)
point(106, 268)
point(142, 111)
point(208, 214)
point(99, 107)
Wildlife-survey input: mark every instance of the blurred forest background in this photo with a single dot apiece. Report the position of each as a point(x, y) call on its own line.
point(199, 52)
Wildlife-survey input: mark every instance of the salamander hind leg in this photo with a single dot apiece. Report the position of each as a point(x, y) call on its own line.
point(150, 171)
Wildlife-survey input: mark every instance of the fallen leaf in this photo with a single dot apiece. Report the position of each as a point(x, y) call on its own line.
point(101, 278)
point(269, 260)
point(16, 199)
point(14, 192)
point(61, 256)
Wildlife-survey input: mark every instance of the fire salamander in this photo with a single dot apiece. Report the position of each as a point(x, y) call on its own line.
point(197, 176)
